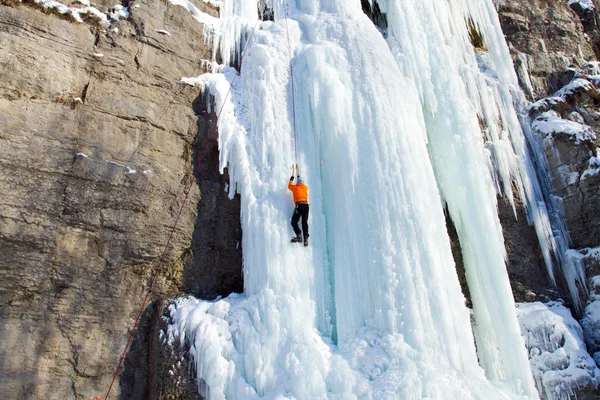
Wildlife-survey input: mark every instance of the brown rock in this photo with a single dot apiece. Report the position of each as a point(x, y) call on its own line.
point(81, 232)
point(549, 34)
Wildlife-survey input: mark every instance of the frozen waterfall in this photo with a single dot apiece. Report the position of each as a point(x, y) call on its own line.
point(389, 133)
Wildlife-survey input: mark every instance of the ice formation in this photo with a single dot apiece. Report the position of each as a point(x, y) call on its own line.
point(389, 133)
point(558, 353)
point(591, 318)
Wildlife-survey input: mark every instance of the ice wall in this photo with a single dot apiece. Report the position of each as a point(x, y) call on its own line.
point(463, 92)
point(387, 133)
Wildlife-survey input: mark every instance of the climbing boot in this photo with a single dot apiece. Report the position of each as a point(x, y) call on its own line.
point(305, 242)
point(297, 239)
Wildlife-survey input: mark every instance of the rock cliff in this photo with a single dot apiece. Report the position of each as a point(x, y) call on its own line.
point(555, 51)
point(97, 143)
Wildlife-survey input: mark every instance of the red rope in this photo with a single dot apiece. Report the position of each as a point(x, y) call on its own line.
point(187, 193)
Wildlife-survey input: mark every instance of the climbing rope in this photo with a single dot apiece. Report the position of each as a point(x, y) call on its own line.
point(187, 193)
point(292, 80)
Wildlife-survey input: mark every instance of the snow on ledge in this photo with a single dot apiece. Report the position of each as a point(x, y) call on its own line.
point(210, 78)
point(551, 123)
point(214, 3)
point(557, 353)
point(76, 13)
point(593, 167)
point(200, 16)
point(585, 4)
point(117, 12)
point(573, 86)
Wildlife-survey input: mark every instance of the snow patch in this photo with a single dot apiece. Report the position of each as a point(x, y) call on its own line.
point(214, 3)
point(210, 79)
point(129, 170)
point(76, 13)
point(200, 16)
point(593, 167)
point(574, 86)
point(557, 352)
point(544, 104)
point(162, 32)
point(585, 4)
point(117, 12)
point(550, 123)
point(593, 67)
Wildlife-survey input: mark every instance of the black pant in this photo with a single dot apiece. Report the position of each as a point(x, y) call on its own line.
point(301, 210)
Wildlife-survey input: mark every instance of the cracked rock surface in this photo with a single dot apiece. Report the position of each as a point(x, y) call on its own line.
point(97, 140)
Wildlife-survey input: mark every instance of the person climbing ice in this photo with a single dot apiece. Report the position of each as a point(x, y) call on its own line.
point(300, 192)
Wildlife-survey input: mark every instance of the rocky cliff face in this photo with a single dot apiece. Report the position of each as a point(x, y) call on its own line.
point(550, 50)
point(555, 47)
point(97, 144)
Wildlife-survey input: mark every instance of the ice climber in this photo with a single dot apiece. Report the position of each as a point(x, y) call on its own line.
point(300, 192)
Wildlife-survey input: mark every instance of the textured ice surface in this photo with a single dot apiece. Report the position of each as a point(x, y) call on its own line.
point(388, 134)
point(558, 355)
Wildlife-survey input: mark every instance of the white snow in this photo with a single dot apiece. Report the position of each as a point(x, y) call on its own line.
point(117, 12)
point(593, 67)
point(550, 123)
point(593, 167)
point(544, 103)
point(206, 79)
point(129, 169)
point(76, 13)
point(558, 355)
point(573, 86)
point(98, 55)
point(162, 32)
point(595, 79)
point(585, 4)
point(200, 16)
point(214, 3)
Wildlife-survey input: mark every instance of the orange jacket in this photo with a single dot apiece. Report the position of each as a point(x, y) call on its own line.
point(300, 191)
